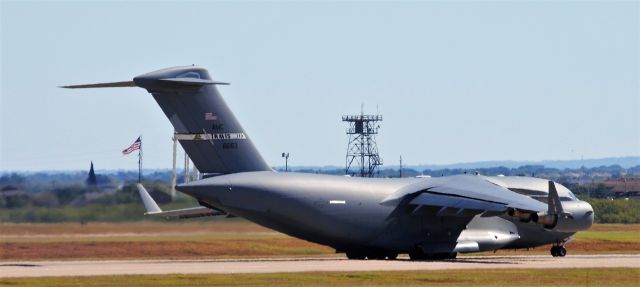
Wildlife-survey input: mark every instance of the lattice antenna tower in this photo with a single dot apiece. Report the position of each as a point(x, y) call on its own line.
point(362, 151)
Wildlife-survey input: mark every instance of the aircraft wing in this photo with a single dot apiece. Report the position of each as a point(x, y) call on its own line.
point(468, 194)
point(153, 209)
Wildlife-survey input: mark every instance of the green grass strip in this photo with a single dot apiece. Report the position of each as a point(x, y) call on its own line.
point(466, 278)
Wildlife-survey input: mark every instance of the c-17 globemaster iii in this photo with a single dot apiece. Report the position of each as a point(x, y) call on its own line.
point(374, 218)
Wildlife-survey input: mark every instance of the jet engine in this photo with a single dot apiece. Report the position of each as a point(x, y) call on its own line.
point(575, 216)
point(564, 216)
point(561, 216)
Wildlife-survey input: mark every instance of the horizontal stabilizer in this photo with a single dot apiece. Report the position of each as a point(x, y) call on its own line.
point(153, 209)
point(149, 204)
point(192, 212)
point(103, 85)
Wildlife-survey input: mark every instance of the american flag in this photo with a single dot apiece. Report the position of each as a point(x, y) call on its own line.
point(210, 117)
point(135, 146)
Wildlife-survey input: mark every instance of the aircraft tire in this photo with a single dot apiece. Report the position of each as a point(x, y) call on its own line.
point(392, 256)
point(561, 251)
point(355, 255)
point(417, 255)
point(555, 251)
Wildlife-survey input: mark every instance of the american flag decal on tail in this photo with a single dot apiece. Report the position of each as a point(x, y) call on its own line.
point(135, 146)
point(210, 117)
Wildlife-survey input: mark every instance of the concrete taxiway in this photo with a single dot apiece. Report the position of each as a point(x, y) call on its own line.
point(122, 267)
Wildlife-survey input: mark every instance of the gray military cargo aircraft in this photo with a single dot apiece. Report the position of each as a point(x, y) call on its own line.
point(374, 218)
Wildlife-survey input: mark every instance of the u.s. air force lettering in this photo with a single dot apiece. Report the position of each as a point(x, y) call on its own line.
point(213, 136)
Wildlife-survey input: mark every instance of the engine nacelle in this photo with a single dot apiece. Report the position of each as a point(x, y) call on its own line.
point(577, 215)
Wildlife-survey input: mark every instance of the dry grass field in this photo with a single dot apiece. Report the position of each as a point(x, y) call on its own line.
point(197, 239)
point(221, 239)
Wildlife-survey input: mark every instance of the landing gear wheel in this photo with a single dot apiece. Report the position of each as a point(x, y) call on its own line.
point(558, 251)
point(417, 255)
point(561, 251)
point(355, 255)
point(392, 256)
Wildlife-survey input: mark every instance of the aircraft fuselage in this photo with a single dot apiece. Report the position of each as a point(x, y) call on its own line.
point(346, 213)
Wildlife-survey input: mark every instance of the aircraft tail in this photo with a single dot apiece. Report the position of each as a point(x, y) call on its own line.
point(205, 126)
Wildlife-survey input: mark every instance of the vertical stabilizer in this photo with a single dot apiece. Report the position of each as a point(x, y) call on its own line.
point(205, 127)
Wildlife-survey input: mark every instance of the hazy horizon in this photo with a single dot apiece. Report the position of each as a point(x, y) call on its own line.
point(625, 162)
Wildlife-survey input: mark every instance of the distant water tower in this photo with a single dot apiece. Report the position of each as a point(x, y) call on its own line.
point(362, 151)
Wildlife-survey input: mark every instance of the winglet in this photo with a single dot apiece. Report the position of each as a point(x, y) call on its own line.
point(153, 209)
point(149, 204)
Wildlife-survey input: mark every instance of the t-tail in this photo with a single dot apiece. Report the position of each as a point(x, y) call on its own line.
point(205, 126)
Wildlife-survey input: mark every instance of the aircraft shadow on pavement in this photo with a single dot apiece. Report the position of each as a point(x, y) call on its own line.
point(481, 260)
point(19, 265)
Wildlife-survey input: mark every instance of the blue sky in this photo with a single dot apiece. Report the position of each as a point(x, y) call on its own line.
point(455, 81)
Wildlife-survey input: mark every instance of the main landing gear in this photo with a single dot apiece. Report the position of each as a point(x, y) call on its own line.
point(558, 251)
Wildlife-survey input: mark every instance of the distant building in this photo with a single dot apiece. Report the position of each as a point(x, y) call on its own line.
point(98, 186)
point(11, 197)
point(11, 190)
point(624, 187)
point(101, 182)
point(92, 181)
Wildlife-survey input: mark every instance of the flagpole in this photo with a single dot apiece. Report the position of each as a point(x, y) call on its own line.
point(140, 161)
